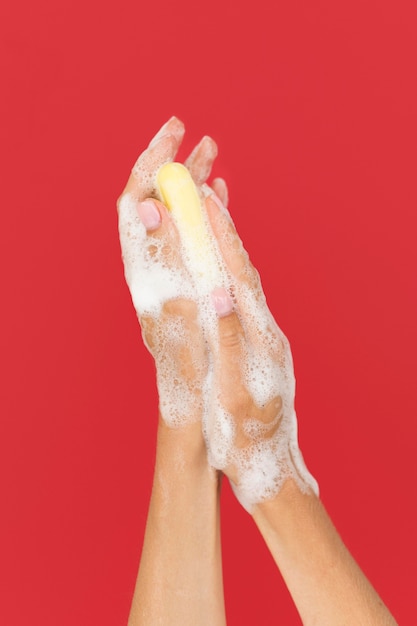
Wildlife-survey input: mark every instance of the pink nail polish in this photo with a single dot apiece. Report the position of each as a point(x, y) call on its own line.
point(149, 214)
point(222, 301)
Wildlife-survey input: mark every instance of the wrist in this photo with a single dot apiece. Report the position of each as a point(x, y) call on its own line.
point(185, 485)
point(184, 443)
point(181, 458)
point(293, 524)
point(290, 502)
point(271, 475)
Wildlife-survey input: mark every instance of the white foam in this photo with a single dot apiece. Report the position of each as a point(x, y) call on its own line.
point(151, 281)
point(269, 453)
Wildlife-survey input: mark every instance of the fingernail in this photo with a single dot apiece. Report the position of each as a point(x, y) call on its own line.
point(222, 302)
point(149, 214)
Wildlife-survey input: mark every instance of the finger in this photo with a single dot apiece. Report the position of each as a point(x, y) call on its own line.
point(155, 216)
point(149, 214)
point(248, 295)
point(141, 182)
point(230, 332)
point(229, 351)
point(154, 270)
point(230, 244)
point(162, 149)
point(173, 126)
point(219, 187)
point(163, 239)
point(201, 160)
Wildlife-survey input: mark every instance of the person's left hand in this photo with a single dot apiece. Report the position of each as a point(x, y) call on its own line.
point(157, 277)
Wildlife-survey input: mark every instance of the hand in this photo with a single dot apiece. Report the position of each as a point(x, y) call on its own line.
point(251, 426)
point(158, 278)
point(180, 575)
point(239, 381)
point(230, 377)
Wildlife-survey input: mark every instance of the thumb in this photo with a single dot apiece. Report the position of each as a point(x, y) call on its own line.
point(230, 331)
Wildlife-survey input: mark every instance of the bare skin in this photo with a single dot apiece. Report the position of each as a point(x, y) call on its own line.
point(180, 579)
point(327, 585)
point(180, 574)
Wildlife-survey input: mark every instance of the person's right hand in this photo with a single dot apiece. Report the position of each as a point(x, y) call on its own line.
point(250, 425)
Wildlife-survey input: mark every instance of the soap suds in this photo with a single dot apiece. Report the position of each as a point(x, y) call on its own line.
point(270, 452)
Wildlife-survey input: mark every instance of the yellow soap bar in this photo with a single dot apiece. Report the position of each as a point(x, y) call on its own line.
point(179, 194)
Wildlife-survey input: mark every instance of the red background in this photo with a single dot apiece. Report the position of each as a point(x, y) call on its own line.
point(313, 105)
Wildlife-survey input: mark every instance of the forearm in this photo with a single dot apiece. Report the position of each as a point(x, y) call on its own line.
point(180, 575)
point(326, 584)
